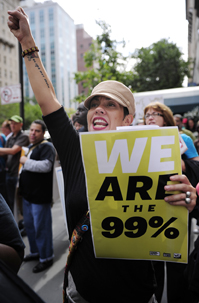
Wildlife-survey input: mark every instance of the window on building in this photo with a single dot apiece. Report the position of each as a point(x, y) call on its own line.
point(41, 16)
point(50, 13)
point(52, 58)
point(27, 91)
point(2, 19)
point(43, 50)
point(4, 59)
point(10, 75)
point(42, 33)
point(32, 18)
point(51, 31)
point(52, 46)
point(5, 73)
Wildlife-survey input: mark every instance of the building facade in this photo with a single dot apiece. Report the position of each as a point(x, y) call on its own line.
point(83, 44)
point(9, 48)
point(192, 15)
point(55, 35)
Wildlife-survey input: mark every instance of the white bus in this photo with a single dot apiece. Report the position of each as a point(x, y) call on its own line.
point(180, 100)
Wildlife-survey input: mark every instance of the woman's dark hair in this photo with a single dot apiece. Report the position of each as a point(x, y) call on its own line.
point(194, 126)
point(126, 112)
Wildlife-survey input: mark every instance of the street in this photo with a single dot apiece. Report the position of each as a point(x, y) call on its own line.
point(48, 284)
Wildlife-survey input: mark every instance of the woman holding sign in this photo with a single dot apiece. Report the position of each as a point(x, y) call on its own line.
point(156, 113)
point(111, 104)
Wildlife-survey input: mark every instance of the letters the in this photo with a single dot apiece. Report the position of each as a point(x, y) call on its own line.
point(125, 208)
point(151, 207)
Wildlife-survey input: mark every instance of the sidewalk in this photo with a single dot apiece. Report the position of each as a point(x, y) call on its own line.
point(48, 284)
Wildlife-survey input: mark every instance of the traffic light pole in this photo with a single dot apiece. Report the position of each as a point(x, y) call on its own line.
point(21, 81)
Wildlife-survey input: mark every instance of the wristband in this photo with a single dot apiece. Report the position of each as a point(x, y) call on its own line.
point(29, 51)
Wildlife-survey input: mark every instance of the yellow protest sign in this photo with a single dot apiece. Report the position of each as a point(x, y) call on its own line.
point(126, 172)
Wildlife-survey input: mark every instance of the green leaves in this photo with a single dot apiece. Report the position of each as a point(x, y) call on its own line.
point(32, 111)
point(159, 66)
point(103, 62)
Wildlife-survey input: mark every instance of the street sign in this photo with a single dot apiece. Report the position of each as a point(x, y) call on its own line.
point(11, 94)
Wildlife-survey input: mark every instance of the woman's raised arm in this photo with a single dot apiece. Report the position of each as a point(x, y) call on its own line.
point(39, 80)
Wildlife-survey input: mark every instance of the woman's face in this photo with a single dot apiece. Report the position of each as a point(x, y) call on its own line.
point(106, 114)
point(191, 123)
point(154, 117)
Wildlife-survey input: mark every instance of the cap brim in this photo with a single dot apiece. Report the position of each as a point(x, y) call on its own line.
point(111, 96)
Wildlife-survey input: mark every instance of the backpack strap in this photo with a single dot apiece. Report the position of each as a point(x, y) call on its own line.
point(78, 232)
point(33, 146)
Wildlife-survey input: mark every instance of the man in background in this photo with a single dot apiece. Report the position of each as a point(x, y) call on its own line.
point(35, 186)
point(6, 129)
point(80, 118)
point(12, 150)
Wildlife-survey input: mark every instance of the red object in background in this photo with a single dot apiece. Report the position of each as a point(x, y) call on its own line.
point(197, 189)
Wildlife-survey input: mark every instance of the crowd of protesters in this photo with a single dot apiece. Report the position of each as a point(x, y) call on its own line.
point(110, 104)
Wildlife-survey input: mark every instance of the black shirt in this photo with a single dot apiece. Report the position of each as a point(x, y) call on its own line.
point(36, 187)
point(10, 234)
point(97, 280)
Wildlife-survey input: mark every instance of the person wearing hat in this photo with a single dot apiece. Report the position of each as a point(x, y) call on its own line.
point(12, 150)
point(178, 120)
point(111, 104)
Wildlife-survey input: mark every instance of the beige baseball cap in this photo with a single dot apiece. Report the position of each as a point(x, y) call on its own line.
point(116, 91)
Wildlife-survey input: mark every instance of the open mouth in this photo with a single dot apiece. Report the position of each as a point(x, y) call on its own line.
point(99, 123)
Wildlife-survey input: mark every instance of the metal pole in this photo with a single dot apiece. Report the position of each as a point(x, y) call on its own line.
point(21, 81)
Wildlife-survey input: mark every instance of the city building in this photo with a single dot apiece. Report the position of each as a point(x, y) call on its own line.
point(9, 48)
point(192, 15)
point(55, 35)
point(83, 44)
